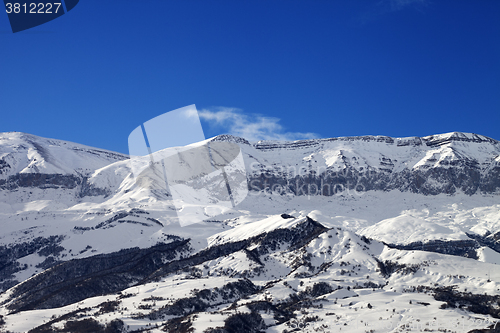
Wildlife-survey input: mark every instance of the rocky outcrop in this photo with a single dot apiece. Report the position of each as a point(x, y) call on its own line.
point(466, 179)
point(39, 180)
point(430, 166)
point(52, 181)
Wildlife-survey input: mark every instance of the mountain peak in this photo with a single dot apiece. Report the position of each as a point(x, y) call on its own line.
point(445, 138)
point(230, 138)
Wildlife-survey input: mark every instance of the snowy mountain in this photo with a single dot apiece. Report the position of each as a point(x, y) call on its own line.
point(361, 233)
point(447, 163)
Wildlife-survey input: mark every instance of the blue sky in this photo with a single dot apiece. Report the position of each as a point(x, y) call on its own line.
point(264, 69)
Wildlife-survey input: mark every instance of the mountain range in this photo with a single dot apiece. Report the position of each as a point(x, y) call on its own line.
point(357, 234)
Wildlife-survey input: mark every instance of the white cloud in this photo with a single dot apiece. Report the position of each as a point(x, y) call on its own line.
point(396, 5)
point(251, 127)
point(383, 7)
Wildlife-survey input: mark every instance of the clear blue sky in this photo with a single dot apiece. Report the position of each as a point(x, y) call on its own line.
point(330, 68)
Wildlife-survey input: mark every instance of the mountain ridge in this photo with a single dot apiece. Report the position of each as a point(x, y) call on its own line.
point(410, 231)
point(429, 139)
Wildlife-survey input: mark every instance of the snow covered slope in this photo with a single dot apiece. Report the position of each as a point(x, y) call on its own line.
point(290, 272)
point(346, 229)
point(29, 154)
point(448, 163)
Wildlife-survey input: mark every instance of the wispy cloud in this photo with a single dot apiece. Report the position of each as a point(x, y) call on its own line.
point(396, 5)
point(252, 127)
point(378, 10)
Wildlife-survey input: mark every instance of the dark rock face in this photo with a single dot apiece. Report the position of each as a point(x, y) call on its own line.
point(89, 190)
point(448, 175)
point(51, 181)
point(491, 182)
point(39, 180)
point(467, 179)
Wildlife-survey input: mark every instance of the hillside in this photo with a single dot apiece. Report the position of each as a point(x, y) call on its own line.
point(372, 233)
